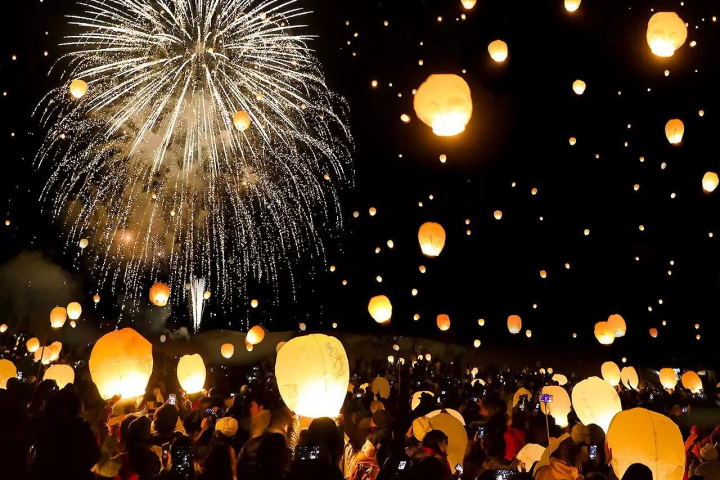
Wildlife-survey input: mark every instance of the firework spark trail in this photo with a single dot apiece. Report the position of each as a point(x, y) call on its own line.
point(148, 164)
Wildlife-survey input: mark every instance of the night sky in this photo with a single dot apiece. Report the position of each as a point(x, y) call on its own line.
point(525, 112)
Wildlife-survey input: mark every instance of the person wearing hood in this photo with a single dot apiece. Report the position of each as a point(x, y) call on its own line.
point(564, 463)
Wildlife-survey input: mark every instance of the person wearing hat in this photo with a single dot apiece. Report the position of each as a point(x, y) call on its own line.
point(710, 468)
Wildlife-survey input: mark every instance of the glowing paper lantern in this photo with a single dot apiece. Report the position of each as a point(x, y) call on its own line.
point(468, 4)
point(476, 343)
point(380, 308)
point(249, 347)
point(443, 322)
point(666, 33)
point(54, 349)
point(629, 378)
point(432, 239)
point(611, 373)
point(710, 182)
point(83, 243)
point(653, 332)
point(498, 51)
point(528, 333)
point(255, 335)
point(560, 405)
point(380, 386)
point(302, 327)
point(444, 103)
point(674, 131)
point(560, 379)
point(227, 350)
point(96, 298)
point(579, 87)
point(159, 294)
point(481, 322)
point(528, 455)
point(62, 374)
point(121, 363)
point(78, 88)
point(692, 382)
point(43, 355)
point(58, 315)
point(649, 438)
point(74, 310)
point(7, 371)
point(595, 402)
point(416, 398)
point(514, 324)
point(3, 328)
point(497, 214)
point(32, 345)
point(572, 5)
point(668, 378)
point(457, 436)
point(191, 373)
point(618, 325)
point(312, 375)
point(254, 303)
point(241, 120)
point(604, 333)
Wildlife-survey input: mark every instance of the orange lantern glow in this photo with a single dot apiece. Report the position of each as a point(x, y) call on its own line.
point(618, 325)
point(255, 335)
point(604, 333)
point(58, 315)
point(432, 239)
point(666, 33)
point(514, 324)
point(653, 332)
point(121, 363)
point(380, 308)
point(241, 120)
point(7, 371)
point(692, 382)
point(62, 374)
point(611, 373)
point(674, 131)
point(443, 322)
point(498, 51)
point(668, 378)
point(74, 310)
point(32, 345)
point(444, 103)
point(159, 294)
point(227, 350)
point(629, 378)
point(191, 373)
point(595, 402)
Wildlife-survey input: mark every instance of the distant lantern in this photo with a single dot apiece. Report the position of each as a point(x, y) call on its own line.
point(481, 322)
point(604, 333)
point(666, 33)
point(674, 131)
point(476, 343)
point(710, 181)
point(528, 333)
point(579, 87)
point(3, 328)
point(96, 298)
point(254, 303)
point(241, 120)
point(312, 374)
point(372, 211)
point(159, 294)
point(32, 345)
point(618, 325)
point(560, 379)
point(668, 378)
point(444, 103)
point(443, 322)
point(255, 335)
point(396, 347)
point(432, 239)
point(428, 357)
point(416, 317)
point(497, 214)
point(514, 324)
point(249, 346)
point(380, 308)
point(596, 402)
point(572, 141)
point(302, 327)
point(74, 310)
point(653, 332)
point(469, 4)
point(422, 269)
point(391, 359)
point(163, 338)
point(572, 5)
point(498, 51)
point(692, 382)
point(629, 378)
point(560, 405)
point(121, 363)
point(62, 374)
point(207, 294)
point(7, 371)
point(543, 274)
point(78, 88)
point(83, 243)
point(227, 350)
point(651, 439)
point(58, 315)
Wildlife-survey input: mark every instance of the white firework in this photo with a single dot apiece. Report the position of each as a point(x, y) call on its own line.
point(148, 164)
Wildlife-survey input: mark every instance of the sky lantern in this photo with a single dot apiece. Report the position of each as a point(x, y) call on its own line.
point(444, 103)
point(595, 401)
point(572, 141)
point(674, 131)
point(643, 436)
point(96, 298)
point(255, 335)
point(191, 373)
point(78, 88)
point(249, 346)
point(43, 355)
point(432, 239)
point(58, 315)
point(380, 308)
point(7, 371)
point(468, 4)
point(604, 333)
point(629, 378)
point(74, 310)
point(481, 322)
point(121, 363)
point(62, 374)
point(55, 348)
point(579, 87)
point(254, 303)
point(380, 386)
point(497, 214)
point(572, 5)
point(83, 243)
point(666, 33)
point(372, 211)
point(227, 350)
point(710, 181)
point(241, 120)
point(618, 325)
point(529, 454)
point(498, 51)
point(476, 344)
point(543, 274)
point(312, 374)
point(692, 382)
point(560, 379)
point(668, 378)
point(159, 294)
point(653, 332)
point(3, 328)
point(32, 345)
point(302, 327)
point(560, 405)
point(528, 333)
point(443, 322)
point(514, 324)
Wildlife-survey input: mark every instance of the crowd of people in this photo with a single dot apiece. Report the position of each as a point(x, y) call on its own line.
point(239, 428)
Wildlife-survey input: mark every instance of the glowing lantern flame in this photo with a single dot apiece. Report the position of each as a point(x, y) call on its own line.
point(227, 350)
point(595, 402)
point(32, 345)
point(191, 373)
point(443, 322)
point(241, 120)
point(611, 373)
point(572, 5)
point(653, 332)
point(710, 182)
point(78, 88)
point(121, 363)
point(618, 325)
point(159, 294)
point(579, 87)
point(83, 243)
point(629, 378)
point(74, 310)
point(498, 51)
point(692, 382)
point(469, 4)
point(674, 131)
point(668, 378)
point(444, 103)
point(604, 333)
point(7, 371)
point(514, 324)
point(380, 308)
point(255, 335)
point(62, 374)
point(58, 315)
point(666, 33)
point(432, 239)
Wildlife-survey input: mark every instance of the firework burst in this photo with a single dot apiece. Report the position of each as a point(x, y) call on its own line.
point(152, 168)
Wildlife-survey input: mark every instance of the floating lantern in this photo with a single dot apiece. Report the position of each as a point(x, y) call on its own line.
point(121, 363)
point(543, 274)
point(497, 214)
point(432, 239)
point(604, 333)
point(78, 88)
point(560, 405)
point(372, 211)
point(618, 325)
point(529, 455)
point(514, 324)
point(7, 371)
point(444, 103)
point(255, 335)
point(498, 51)
point(481, 322)
point(668, 378)
point(227, 350)
point(468, 4)
point(572, 5)
point(74, 310)
point(595, 402)
point(312, 375)
point(476, 343)
point(380, 308)
point(249, 347)
point(83, 243)
point(62, 374)
point(191, 373)
point(653, 332)
point(579, 87)
point(254, 303)
point(666, 33)
point(572, 141)
point(3, 328)
point(629, 378)
point(302, 327)
point(207, 294)
point(710, 181)
point(391, 359)
point(396, 347)
point(32, 345)
point(560, 379)
point(241, 120)
point(443, 322)
point(163, 338)
point(674, 131)
point(159, 294)
point(528, 333)
point(58, 315)
point(96, 298)
point(692, 382)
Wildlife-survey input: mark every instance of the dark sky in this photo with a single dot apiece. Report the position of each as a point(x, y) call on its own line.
point(524, 113)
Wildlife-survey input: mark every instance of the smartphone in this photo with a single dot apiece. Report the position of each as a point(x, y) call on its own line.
point(593, 452)
point(504, 474)
point(684, 409)
point(19, 376)
point(209, 411)
point(459, 469)
point(307, 452)
point(402, 464)
point(545, 398)
point(521, 406)
point(481, 432)
point(171, 399)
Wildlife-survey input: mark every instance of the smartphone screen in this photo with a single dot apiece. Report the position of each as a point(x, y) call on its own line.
point(504, 474)
point(307, 452)
point(171, 399)
point(209, 411)
point(481, 432)
point(545, 398)
point(593, 452)
point(459, 469)
point(402, 464)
